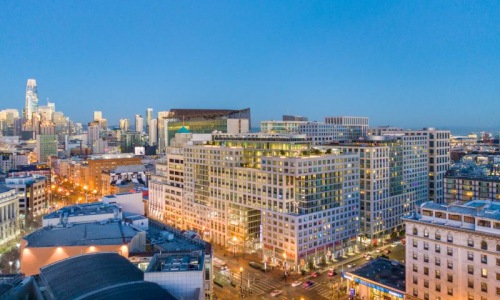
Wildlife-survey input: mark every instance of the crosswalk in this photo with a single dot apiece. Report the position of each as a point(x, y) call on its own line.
point(253, 284)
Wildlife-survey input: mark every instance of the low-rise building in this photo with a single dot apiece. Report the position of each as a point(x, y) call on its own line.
point(9, 214)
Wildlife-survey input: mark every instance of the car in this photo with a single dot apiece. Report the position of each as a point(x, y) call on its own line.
point(315, 274)
point(276, 293)
point(395, 244)
point(369, 257)
point(387, 251)
point(351, 265)
point(379, 250)
point(307, 284)
point(332, 273)
point(296, 283)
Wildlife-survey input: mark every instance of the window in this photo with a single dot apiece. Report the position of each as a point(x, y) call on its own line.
point(449, 251)
point(438, 261)
point(438, 274)
point(450, 278)
point(470, 255)
point(426, 233)
point(498, 261)
point(426, 283)
point(484, 273)
point(484, 245)
point(415, 292)
point(484, 258)
point(426, 296)
point(415, 280)
point(415, 231)
point(437, 235)
point(426, 271)
point(470, 283)
point(449, 238)
point(415, 268)
point(498, 290)
point(438, 287)
point(498, 276)
point(450, 265)
point(426, 258)
point(426, 246)
point(470, 296)
point(470, 242)
point(470, 269)
point(498, 247)
point(415, 243)
point(450, 291)
point(438, 248)
point(484, 287)
point(415, 255)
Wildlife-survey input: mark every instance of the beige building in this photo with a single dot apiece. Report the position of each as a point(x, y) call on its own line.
point(9, 214)
point(453, 252)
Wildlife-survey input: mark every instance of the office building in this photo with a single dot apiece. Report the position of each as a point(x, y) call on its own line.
point(139, 123)
point(46, 145)
point(31, 104)
point(357, 126)
point(124, 124)
point(294, 118)
point(153, 131)
point(33, 200)
point(97, 115)
point(201, 121)
point(149, 117)
point(453, 251)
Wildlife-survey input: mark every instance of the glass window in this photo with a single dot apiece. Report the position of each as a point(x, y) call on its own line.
point(484, 273)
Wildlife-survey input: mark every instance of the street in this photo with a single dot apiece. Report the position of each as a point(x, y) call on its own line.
point(251, 283)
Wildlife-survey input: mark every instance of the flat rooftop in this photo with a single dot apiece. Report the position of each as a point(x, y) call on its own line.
point(171, 262)
point(96, 208)
point(85, 234)
point(386, 272)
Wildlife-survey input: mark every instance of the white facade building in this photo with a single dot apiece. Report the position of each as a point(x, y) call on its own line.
point(9, 214)
point(453, 252)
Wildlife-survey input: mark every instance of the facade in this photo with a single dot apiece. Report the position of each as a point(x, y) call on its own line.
point(152, 131)
point(201, 121)
point(139, 123)
point(31, 104)
point(393, 179)
point(149, 117)
point(32, 194)
point(46, 145)
point(124, 124)
point(123, 175)
point(9, 214)
point(453, 252)
point(261, 191)
point(358, 126)
point(439, 160)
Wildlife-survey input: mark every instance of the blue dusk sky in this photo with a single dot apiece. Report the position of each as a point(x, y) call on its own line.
point(401, 63)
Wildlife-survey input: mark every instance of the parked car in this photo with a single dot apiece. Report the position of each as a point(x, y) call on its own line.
point(307, 284)
point(351, 265)
point(387, 251)
point(369, 257)
point(276, 293)
point(296, 283)
point(332, 273)
point(315, 274)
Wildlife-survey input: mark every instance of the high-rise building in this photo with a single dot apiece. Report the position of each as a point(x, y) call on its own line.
point(97, 115)
point(153, 126)
point(46, 145)
point(453, 252)
point(393, 175)
point(139, 123)
point(31, 104)
point(124, 124)
point(149, 117)
point(93, 133)
point(252, 191)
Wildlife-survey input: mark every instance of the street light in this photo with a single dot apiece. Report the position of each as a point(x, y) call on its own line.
point(234, 246)
point(241, 280)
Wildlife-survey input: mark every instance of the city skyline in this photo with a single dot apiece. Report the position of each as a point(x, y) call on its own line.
point(312, 59)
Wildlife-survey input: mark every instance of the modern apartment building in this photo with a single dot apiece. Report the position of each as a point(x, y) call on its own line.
point(453, 252)
point(358, 126)
point(262, 191)
point(438, 144)
point(393, 179)
point(46, 145)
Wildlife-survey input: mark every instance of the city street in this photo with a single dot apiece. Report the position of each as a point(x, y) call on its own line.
point(256, 284)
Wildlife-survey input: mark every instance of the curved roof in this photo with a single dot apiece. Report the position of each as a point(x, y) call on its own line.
point(76, 276)
point(131, 291)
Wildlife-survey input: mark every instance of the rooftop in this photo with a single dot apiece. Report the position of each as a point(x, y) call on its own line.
point(96, 208)
point(386, 272)
point(86, 234)
point(171, 262)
